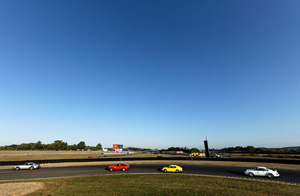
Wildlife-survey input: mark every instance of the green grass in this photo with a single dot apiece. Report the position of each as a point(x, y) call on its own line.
point(161, 184)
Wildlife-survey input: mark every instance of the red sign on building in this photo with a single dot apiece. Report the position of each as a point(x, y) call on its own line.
point(115, 146)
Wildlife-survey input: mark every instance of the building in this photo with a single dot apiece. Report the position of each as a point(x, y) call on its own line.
point(118, 147)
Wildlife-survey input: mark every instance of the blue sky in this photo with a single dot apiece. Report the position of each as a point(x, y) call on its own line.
point(150, 74)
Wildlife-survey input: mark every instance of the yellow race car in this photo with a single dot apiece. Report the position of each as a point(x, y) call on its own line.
point(172, 168)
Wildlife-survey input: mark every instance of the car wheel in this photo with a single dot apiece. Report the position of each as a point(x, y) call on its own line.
point(17, 168)
point(111, 169)
point(165, 171)
point(251, 174)
point(31, 168)
point(270, 175)
point(177, 171)
point(123, 169)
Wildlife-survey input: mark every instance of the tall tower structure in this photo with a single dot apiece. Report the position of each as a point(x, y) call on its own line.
point(206, 148)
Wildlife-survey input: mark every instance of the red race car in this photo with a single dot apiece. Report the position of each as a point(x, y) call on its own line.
point(119, 166)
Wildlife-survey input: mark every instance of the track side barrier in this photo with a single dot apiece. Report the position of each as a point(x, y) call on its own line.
point(233, 159)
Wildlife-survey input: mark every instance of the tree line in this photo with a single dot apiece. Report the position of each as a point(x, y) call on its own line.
point(56, 145)
point(240, 149)
point(137, 149)
point(260, 150)
point(184, 149)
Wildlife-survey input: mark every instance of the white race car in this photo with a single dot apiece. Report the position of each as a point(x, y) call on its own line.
point(28, 165)
point(262, 171)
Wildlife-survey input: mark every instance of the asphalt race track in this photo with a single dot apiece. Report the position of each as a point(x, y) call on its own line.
point(290, 176)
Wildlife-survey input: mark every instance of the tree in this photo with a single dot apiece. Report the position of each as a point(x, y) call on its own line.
point(38, 146)
point(57, 144)
point(239, 148)
point(64, 146)
point(195, 150)
point(250, 149)
point(81, 145)
point(99, 147)
point(25, 146)
point(72, 147)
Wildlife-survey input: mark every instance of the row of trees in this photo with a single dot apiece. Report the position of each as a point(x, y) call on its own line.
point(251, 149)
point(184, 149)
point(137, 149)
point(56, 145)
point(240, 149)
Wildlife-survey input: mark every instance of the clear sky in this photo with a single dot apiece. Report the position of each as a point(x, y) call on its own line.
point(150, 74)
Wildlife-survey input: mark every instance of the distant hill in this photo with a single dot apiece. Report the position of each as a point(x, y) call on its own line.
point(292, 147)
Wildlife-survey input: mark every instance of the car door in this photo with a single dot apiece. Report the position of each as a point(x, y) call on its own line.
point(25, 166)
point(30, 165)
point(261, 172)
point(118, 167)
point(172, 169)
point(255, 172)
point(264, 172)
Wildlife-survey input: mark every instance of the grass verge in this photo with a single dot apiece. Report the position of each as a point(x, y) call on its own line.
point(161, 184)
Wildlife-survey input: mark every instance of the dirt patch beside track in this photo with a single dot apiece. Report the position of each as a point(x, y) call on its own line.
point(20, 188)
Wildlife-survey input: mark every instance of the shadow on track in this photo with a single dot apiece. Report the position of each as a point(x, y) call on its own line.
point(237, 173)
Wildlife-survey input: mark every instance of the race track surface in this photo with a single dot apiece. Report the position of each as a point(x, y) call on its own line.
point(289, 176)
